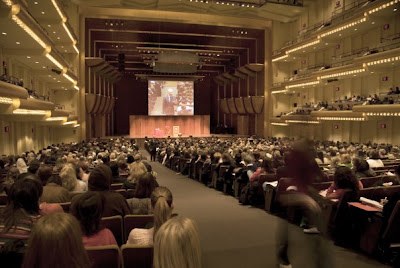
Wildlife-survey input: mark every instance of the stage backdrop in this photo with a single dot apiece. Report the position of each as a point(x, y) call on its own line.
point(132, 100)
point(162, 126)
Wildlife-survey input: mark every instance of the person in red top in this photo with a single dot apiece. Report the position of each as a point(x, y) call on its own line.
point(88, 209)
point(343, 179)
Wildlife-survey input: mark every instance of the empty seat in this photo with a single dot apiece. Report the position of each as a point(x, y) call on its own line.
point(114, 224)
point(136, 221)
point(137, 256)
point(104, 256)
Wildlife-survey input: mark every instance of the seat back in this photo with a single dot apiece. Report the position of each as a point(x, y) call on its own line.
point(137, 256)
point(392, 232)
point(378, 193)
point(114, 223)
point(65, 206)
point(104, 256)
point(116, 186)
point(3, 199)
point(136, 221)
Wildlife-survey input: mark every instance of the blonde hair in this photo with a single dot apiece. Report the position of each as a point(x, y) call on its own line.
point(68, 177)
point(56, 241)
point(136, 170)
point(161, 202)
point(177, 244)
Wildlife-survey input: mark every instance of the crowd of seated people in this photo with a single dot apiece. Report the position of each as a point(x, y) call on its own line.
point(254, 163)
point(54, 202)
point(20, 82)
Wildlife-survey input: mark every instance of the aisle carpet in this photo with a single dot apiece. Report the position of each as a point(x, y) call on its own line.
point(237, 236)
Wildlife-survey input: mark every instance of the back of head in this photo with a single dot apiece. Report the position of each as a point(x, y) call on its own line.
point(68, 177)
point(345, 178)
point(44, 174)
point(177, 244)
point(25, 194)
point(55, 179)
point(161, 202)
point(56, 241)
point(114, 169)
point(88, 209)
point(375, 155)
point(136, 170)
point(145, 185)
point(34, 166)
point(100, 178)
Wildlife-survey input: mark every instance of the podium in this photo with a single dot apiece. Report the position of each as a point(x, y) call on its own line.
point(175, 131)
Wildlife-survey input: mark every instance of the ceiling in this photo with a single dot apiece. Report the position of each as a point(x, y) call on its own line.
point(219, 48)
point(269, 11)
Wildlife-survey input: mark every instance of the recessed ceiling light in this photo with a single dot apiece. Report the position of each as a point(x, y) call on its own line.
point(36, 3)
point(54, 78)
point(28, 57)
point(65, 50)
point(43, 12)
point(44, 67)
point(54, 32)
point(395, 9)
point(373, 22)
point(36, 62)
point(62, 46)
point(17, 43)
point(58, 38)
point(49, 75)
point(48, 25)
point(3, 33)
point(340, 34)
point(372, 72)
point(326, 44)
point(58, 81)
point(355, 29)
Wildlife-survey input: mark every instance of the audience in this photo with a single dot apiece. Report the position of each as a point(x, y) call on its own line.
point(56, 241)
point(177, 244)
point(140, 204)
point(162, 206)
point(88, 209)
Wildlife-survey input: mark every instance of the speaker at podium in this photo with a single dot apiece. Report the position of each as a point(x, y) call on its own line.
point(175, 131)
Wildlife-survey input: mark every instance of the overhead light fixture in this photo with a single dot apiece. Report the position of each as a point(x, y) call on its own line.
point(386, 5)
point(76, 87)
point(70, 123)
point(383, 114)
point(302, 121)
point(280, 58)
point(391, 59)
point(70, 79)
point(303, 84)
point(303, 46)
point(69, 33)
point(76, 48)
point(342, 73)
point(60, 118)
point(279, 91)
point(279, 124)
point(3, 33)
point(53, 60)
point(5, 100)
point(351, 24)
point(332, 118)
point(77, 125)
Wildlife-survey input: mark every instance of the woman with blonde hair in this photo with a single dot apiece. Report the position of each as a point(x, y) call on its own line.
point(70, 181)
point(136, 170)
point(56, 241)
point(177, 244)
point(162, 205)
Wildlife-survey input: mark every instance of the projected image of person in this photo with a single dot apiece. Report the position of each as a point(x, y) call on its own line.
point(169, 102)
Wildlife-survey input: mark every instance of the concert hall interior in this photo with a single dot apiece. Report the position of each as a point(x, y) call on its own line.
point(172, 79)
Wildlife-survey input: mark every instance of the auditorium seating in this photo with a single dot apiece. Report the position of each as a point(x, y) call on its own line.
point(137, 256)
point(136, 221)
point(104, 256)
point(65, 206)
point(114, 224)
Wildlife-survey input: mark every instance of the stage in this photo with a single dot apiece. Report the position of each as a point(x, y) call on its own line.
point(163, 126)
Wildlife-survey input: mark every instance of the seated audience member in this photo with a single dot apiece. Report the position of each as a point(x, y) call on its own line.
point(248, 169)
point(53, 192)
point(343, 179)
point(56, 241)
point(21, 212)
point(70, 181)
point(34, 166)
point(374, 161)
point(44, 173)
point(162, 206)
point(395, 180)
point(361, 168)
point(83, 171)
point(136, 170)
point(177, 244)
point(265, 168)
point(11, 177)
point(88, 209)
point(100, 181)
point(21, 165)
point(140, 204)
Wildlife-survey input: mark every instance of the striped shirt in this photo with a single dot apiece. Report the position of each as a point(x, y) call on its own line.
point(21, 231)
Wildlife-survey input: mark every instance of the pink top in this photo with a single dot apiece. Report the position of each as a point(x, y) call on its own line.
point(256, 174)
point(333, 192)
point(46, 208)
point(104, 237)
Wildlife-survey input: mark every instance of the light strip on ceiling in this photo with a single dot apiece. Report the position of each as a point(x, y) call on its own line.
point(76, 87)
point(30, 112)
point(53, 60)
point(280, 124)
point(280, 58)
point(69, 33)
point(77, 125)
point(279, 91)
point(351, 24)
point(391, 3)
point(303, 84)
point(5, 100)
point(60, 118)
point(331, 118)
point(391, 59)
point(70, 79)
point(76, 48)
point(301, 122)
point(303, 46)
point(70, 122)
point(383, 114)
point(55, 4)
point(29, 31)
point(356, 71)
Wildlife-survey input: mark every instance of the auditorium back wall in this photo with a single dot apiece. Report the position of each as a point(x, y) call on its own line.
point(132, 100)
